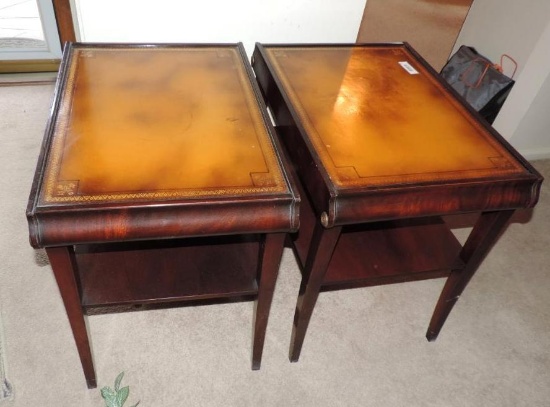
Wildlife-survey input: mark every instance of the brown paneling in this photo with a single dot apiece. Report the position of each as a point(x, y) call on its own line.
point(430, 26)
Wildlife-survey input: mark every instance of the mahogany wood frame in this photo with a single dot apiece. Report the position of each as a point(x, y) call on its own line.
point(237, 240)
point(329, 239)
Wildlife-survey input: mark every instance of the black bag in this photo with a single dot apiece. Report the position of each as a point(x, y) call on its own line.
point(479, 81)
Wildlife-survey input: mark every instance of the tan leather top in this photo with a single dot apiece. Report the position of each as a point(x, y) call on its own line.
point(376, 117)
point(158, 123)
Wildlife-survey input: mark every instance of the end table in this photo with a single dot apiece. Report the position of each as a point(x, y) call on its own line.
point(160, 180)
point(383, 149)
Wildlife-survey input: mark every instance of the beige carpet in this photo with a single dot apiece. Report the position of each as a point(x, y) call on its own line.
point(365, 347)
point(6, 390)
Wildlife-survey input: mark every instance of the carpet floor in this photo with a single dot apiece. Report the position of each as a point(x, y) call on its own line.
point(364, 347)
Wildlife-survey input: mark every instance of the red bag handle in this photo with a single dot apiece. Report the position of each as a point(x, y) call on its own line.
point(498, 67)
point(464, 77)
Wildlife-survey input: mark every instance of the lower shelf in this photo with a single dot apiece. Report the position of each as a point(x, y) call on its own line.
point(165, 271)
point(392, 252)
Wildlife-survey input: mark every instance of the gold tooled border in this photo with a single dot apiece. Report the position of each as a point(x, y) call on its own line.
point(60, 130)
point(332, 169)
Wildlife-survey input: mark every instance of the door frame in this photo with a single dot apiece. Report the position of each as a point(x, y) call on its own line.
point(64, 19)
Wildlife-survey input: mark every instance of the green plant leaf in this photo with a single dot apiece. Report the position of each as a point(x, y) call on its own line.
point(118, 396)
point(107, 392)
point(118, 380)
point(109, 396)
point(112, 403)
point(122, 395)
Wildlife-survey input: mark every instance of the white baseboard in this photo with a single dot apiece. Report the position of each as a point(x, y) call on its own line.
point(535, 153)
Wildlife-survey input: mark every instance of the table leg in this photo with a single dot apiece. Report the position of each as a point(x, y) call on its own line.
point(270, 259)
point(62, 260)
point(486, 231)
point(320, 252)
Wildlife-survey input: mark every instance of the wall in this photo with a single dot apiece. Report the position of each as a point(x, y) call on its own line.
point(532, 135)
point(220, 21)
point(521, 29)
point(522, 116)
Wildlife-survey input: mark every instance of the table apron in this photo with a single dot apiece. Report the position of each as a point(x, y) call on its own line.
point(58, 228)
point(431, 201)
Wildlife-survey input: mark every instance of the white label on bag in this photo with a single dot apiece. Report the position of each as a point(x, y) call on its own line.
point(408, 67)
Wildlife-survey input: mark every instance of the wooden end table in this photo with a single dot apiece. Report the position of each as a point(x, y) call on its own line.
point(160, 180)
point(384, 148)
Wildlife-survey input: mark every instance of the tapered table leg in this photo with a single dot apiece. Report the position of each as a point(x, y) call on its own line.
point(486, 231)
point(320, 252)
point(270, 259)
point(62, 260)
